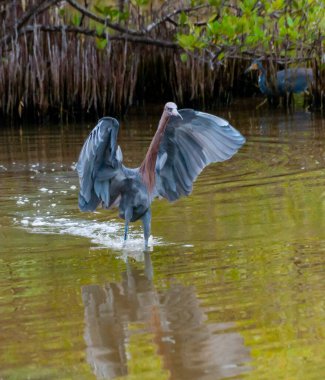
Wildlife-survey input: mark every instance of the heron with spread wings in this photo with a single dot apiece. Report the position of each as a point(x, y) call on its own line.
point(185, 142)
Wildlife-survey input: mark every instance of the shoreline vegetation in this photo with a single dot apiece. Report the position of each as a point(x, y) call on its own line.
point(71, 60)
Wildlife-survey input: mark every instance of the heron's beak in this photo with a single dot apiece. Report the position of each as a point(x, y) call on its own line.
point(253, 66)
point(176, 113)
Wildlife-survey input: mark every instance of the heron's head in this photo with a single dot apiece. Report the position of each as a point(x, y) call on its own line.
point(256, 65)
point(171, 109)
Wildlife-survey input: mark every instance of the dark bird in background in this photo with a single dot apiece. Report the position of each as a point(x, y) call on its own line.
point(185, 142)
point(285, 83)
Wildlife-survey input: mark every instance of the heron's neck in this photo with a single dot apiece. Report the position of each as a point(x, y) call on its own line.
point(261, 68)
point(148, 166)
point(262, 79)
point(261, 72)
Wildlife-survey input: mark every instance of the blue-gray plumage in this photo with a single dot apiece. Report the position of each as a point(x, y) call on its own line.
point(185, 142)
point(287, 81)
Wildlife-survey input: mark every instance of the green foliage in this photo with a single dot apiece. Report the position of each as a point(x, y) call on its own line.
point(111, 12)
point(270, 28)
point(265, 27)
point(76, 18)
point(101, 43)
point(183, 18)
point(138, 31)
point(184, 57)
point(192, 40)
point(141, 3)
point(215, 3)
point(62, 12)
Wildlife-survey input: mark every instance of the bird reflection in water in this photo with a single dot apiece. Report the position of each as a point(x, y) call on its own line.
point(189, 347)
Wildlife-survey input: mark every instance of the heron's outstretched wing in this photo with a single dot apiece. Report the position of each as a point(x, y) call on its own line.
point(188, 146)
point(99, 161)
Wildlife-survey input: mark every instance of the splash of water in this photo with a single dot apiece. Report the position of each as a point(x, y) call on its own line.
point(102, 234)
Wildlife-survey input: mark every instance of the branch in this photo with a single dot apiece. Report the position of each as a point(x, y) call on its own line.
point(168, 17)
point(92, 32)
point(102, 20)
point(32, 12)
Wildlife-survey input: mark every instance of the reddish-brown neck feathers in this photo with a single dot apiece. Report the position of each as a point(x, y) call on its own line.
point(148, 166)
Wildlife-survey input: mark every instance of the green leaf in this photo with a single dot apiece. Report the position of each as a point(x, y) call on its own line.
point(251, 40)
point(258, 32)
point(228, 26)
point(186, 41)
point(214, 27)
point(123, 16)
point(101, 43)
point(100, 29)
point(221, 56)
point(183, 19)
point(215, 3)
point(278, 4)
point(61, 12)
point(184, 57)
point(289, 21)
point(142, 3)
point(76, 18)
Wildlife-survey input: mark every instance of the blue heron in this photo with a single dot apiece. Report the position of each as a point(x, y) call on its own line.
point(286, 82)
point(185, 142)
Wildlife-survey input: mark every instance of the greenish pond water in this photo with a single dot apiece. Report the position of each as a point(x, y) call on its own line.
point(233, 286)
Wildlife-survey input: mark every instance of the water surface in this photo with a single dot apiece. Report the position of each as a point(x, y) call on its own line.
point(233, 285)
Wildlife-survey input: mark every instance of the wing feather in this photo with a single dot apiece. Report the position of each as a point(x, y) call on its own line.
point(190, 144)
point(98, 163)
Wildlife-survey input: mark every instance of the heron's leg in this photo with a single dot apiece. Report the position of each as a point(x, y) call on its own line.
point(146, 221)
point(128, 215)
point(126, 230)
point(261, 104)
point(289, 99)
